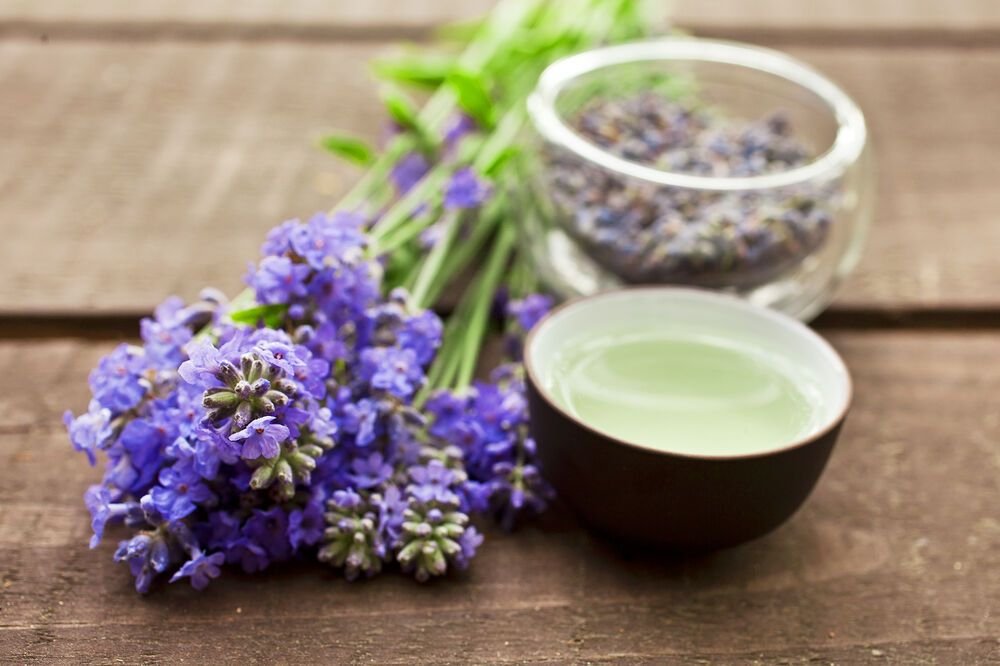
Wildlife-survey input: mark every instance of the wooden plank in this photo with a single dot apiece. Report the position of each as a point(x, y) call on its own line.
point(133, 171)
point(896, 555)
point(866, 15)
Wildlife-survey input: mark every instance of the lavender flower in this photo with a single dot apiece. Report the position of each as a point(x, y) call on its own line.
point(353, 539)
point(88, 432)
point(103, 510)
point(201, 568)
point(278, 280)
point(261, 437)
point(269, 530)
point(370, 472)
point(408, 171)
point(465, 189)
point(529, 311)
point(226, 447)
point(323, 237)
point(179, 491)
point(305, 526)
point(117, 381)
point(432, 483)
point(392, 369)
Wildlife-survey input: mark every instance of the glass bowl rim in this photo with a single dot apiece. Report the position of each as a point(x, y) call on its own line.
point(844, 151)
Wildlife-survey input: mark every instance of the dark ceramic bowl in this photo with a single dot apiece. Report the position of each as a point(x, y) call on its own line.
point(683, 500)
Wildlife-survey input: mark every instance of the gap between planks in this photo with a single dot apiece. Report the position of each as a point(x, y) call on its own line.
point(192, 31)
point(125, 325)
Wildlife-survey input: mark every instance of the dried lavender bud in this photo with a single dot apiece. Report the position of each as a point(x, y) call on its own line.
point(643, 232)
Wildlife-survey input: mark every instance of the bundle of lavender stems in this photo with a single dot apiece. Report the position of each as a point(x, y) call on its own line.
point(328, 411)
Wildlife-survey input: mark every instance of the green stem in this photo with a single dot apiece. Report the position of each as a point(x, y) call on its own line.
point(435, 259)
point(506, 19)
point(464, 253)
point(486, 286)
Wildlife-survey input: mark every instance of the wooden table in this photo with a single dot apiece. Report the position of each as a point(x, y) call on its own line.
point(145, 148)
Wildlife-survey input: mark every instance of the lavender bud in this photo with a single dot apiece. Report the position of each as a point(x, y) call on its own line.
point(228, 374)
point(260, 387)
point(286, 386)
point(243, 416)
point(272, 373)
point(283, 471)
point(221, 400)
point(246, 363)
point(262, 477)
point(242, 389)
point(278, 399)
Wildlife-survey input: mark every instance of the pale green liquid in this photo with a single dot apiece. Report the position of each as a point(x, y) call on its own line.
point(701, 396)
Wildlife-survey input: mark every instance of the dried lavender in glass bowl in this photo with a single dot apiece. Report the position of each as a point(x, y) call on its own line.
point(696, 162)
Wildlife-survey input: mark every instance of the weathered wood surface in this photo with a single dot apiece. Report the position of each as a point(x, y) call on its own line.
point(159, 166)
point(717, 15)
point(147, 146)
point(895, 556)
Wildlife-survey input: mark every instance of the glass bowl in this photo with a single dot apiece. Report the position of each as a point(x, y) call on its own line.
point(777, 215)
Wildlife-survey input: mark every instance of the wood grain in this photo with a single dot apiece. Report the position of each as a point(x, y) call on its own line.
point(896, 556)
point(132, 171)
point(724, 15)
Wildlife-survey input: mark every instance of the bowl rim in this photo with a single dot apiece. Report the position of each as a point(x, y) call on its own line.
point(846, 148)
point(727, 300)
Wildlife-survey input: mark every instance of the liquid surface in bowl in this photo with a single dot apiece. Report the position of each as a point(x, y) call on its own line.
point(702, 396)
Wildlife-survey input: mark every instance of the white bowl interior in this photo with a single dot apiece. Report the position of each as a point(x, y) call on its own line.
point(786, 344)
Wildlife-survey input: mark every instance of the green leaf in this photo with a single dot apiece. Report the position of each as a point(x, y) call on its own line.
point(428, 70)
point(349, 148)
point(473, 96)
point(499, 160)
point(406, 116)
point(271, 314)
point(400, 107)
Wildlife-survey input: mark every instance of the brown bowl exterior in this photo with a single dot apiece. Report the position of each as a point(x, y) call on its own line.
point(674, 502)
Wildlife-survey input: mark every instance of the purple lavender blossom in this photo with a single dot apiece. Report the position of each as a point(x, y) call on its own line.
point(347, 499)
point(530, 310)
point(262, 437)
point(465, 189)
point(89, 431)
point(432, 483)
point(279, 239)
point(179, 492)
point(278, 279)
point(370, 472)
point(116, 381)
point(408, 171)
point(462, 125)
point(391, 506)
point(221, 530)
point(422, 333)
point(359, 419)
point(103, 510)
point(201, 568)
point(164, 343)
point(448, 409)
point(391, 369)
point(282, 354)
point(469, 542)
point(202, 366)
point(269, 530)
point(249, 555)
point(305, 526)
point(336, 236)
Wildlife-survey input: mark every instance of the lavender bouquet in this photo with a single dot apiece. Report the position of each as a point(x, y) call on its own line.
point(327, 411)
